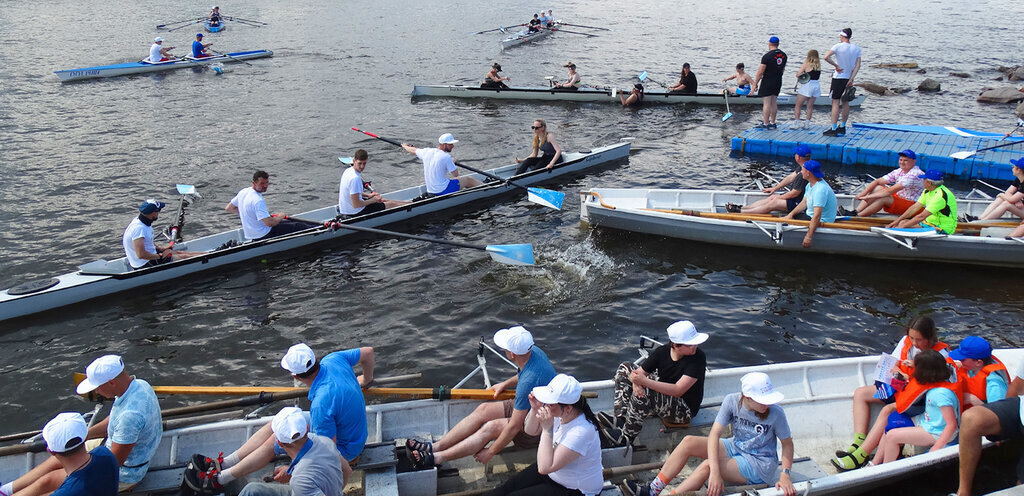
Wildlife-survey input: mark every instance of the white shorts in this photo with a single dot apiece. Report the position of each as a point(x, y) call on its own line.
point(811, 88)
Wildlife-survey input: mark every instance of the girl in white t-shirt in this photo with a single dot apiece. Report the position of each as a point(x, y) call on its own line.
point(569, 453)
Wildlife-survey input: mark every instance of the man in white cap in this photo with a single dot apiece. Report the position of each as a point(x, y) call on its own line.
point(132, 429)
point(498, 421)
point(668, 384)
point(158, 52)
point(438, 164)
point(89, 473)
point(337, 411)
point(137, 241)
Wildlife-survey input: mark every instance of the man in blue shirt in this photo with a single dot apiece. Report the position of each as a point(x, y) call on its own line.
point(89, 473)
point(819, 200)
point(199, 48)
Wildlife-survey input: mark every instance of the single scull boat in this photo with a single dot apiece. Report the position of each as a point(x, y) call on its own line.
point(140, 67)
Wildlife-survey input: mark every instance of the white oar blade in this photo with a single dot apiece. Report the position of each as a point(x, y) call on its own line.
point(962, 155)
point(512, 254)
point(186, 189)
point(546, 197)
point(727, 117)
point(345, 160)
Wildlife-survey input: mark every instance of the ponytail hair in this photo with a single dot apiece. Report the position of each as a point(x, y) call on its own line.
point(583, 407)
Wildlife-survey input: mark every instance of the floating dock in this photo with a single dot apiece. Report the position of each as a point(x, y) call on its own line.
point(880, 144)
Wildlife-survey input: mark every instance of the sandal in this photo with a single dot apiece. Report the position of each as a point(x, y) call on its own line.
point(733, 208)
point(417, 445)
point(421, 459)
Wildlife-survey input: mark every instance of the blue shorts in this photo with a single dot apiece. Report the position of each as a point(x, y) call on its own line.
point(745, 469)
point(743, 90)
point(453, 186)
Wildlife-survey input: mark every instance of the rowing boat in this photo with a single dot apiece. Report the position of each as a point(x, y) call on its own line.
point(608, 95)
point(214, 29)
point(524, 36)
point(818, 405)
point(140, 67)
point(699, 215)
point(103, 277)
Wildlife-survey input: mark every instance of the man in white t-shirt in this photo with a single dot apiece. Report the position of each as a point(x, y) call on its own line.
point(139, 248)
point(351, 198)
point(158, 52)
point(257, 223)
point(438, 164)
point(847, 63)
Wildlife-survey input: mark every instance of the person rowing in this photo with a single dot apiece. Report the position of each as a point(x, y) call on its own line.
point(214, 16)
point(636, 96)
point(546, 153)
point(546, 20)
point(687, 84)
point(895, 192)
point(199, 48)
point(534, 24)
point(158, 52)
point(438, 164)
point(257, 223)
point(352, 201)
point(493, 80)
point(935, 208)
point(743, 81)
point(787, 201)
point(573, 82)
point(819, 200)
point(139, 249)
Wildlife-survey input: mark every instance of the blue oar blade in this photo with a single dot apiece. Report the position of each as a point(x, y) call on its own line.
point(512, 254)
point(726, 116)
point(186, 189)
point(642, 76)
point(345, 160)
point(546, 197)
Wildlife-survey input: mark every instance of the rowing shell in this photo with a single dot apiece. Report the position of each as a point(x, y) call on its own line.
point(143, 67)
point(214, 29)
point(525, 37)
point(104, 277)
point(603, 95)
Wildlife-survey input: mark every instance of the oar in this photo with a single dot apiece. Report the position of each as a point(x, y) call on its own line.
point(728, 113)
point(246, 20)
point(247, 23)
point(540, 196)
point(246, 390)
point(500, 28)
point(968, 154)
point(582, 26)
point(228, 56)
point(158, 26)
point(644, 77)
point(197, 21)
point(560, 30)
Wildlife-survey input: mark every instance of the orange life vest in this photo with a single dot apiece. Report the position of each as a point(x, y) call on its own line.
point(977, 385)
point(905, 352)
point(915, 391)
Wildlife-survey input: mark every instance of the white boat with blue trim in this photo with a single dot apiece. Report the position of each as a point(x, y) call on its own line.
point(142, 66)
point(605, 95)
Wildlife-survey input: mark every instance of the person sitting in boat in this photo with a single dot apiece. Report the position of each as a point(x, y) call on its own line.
point(257, 223)
point(545, 19)
point(819, 202)
point(493, 80)
point(569, 450)
point(749, 457)
point(787, 201)
point(546, 152)
point(438, 164)
point(139, 249)
point(498, 421)
point(921, 334)
point(687, 84)
point(131, 432)
point(571, 84)
point(636, 96)
point(352, 200)
point(895, 192)
point(314, 468)
point(534, 24)
point(1011, 200)
point(214, 16)
point(199, 48)
point(158, 52)
point(936, 208)
point(668, 384)
point(984, 376)
point(337, 411)
point(743, 81)
point(89, 472)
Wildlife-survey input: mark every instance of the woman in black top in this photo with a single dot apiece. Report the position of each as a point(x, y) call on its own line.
point(546, 153)
point(493, 80)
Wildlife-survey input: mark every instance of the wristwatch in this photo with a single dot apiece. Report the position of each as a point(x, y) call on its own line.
point(787, 471)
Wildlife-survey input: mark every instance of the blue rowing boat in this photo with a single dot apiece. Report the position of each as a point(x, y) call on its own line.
point(140, 67)
point(213, 29)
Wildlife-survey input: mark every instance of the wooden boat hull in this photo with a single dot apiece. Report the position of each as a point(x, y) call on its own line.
point(144, 67)
point(630, 210)
point(603, 95)
point(104, 277)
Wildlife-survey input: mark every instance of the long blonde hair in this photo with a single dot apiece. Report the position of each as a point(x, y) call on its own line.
point(814, 59)
point(540, 140)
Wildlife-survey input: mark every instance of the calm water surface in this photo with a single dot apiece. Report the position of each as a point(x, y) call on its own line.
point(76, 159)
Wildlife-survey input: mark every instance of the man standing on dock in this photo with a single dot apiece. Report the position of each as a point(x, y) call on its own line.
point(845, 57)
point(769, 80)
point(819, 199)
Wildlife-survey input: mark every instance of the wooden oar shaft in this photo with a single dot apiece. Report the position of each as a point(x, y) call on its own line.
point(760, 218)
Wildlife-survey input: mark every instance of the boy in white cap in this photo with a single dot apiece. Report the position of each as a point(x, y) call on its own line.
point(749, 457)
point(437, 164)
point(132, 429)
point(498, 421)
point(668, 384)
point(88, 472)
point(337, 411)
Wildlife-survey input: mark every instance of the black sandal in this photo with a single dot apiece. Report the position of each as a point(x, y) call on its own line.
point(417, 445)
point(422, 459)
point(733, 208)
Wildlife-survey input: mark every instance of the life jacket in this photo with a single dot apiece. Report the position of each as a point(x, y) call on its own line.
point(905, 354)
point(915, 391)
point(977, 385)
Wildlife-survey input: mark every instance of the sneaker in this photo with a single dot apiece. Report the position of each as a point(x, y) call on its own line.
point(773, 126)
point(830, 132)
point(761, 125)
point(633, 488)
point(841, 131)
point(968, 218)
point(200, 476)
point(845, 212)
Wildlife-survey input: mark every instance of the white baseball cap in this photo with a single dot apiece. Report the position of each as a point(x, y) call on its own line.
point(100, 372)
point(299, 359)
point(564, 389)
point(683, 332)
point(515, 339)
point(447, 139)
point(62, 430)
point(157, 39)
point(289, 425)
point(758, 387)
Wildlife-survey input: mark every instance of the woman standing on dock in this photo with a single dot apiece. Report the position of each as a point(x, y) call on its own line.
point(810, 89)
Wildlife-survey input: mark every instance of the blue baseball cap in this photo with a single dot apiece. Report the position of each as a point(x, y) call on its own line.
point(199, 35)
point(774, 40)
point(149, 206)
point(909, 154)
point(932, 175)
point(1019, 162)
point(802, 150)
point(972, 347)
point(814, 168)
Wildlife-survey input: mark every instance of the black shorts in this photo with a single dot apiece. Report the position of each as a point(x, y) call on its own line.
point(153, 263)
point(1008, 412)
point(371, 208)
point(838, 87)
point(791, 203)
point(770, 87)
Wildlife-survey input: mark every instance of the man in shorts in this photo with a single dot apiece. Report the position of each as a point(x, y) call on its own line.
point(437, 164)
point(819, 202)
point(845, 57)
point(787, 201)
point(352, 201)
point(894, 192)
point(768, 82)
point(935, 208)
point(998, 421)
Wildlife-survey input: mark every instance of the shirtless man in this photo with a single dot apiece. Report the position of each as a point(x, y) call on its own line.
point(743, 81)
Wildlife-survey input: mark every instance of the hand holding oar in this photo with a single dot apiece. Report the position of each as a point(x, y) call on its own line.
point(499, 28)
point(228, 56)
point(540, 196)
point(190, 21)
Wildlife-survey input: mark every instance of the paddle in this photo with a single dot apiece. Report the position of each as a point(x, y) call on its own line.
point(228, 56)
point(158, 26)
point(560, 30)
point(644, 77)
point(540, 196)
point(197, 21)
point(499, 28)
point(247, 23)
point(582, 26)
point(968, 154)
point(240, 390)
point(728, 113)
point(185, 190)
point(246, 20)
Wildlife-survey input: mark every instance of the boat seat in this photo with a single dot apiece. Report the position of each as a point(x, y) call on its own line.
point(672, 426)
point(105, 267)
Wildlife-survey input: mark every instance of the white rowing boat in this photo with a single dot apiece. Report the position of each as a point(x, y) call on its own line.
point(525, 36)
point(818, 396)
point(104, 277)
point(140, 67)
point(608, 95)
point(684, 214)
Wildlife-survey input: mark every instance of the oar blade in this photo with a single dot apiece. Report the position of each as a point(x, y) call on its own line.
point(962, 155)
point(642, 76)
point(345, 160)
point(546, 197)
point(521, 254)
point(186, 189)
point(727, 116)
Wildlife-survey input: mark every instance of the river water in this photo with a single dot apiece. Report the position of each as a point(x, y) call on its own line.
point(76, 159)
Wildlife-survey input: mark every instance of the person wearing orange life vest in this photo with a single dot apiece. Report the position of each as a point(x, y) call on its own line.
point(921, 334)
point(984, 376)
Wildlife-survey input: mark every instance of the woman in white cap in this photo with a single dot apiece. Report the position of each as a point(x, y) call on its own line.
point(749, 457)
point(569, 453)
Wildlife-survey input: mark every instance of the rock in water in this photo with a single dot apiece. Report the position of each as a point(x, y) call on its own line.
point(1017, 74)
point(901, 65)
point(873, 88)
point(1020, 110)
point(929, 85)
point(1003, 94)
point(960, 74)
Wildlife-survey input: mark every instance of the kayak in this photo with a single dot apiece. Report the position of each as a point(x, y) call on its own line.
point(214, 29)
point(143, 67)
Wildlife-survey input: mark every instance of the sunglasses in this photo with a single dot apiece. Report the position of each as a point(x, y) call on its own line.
point(536, 127)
